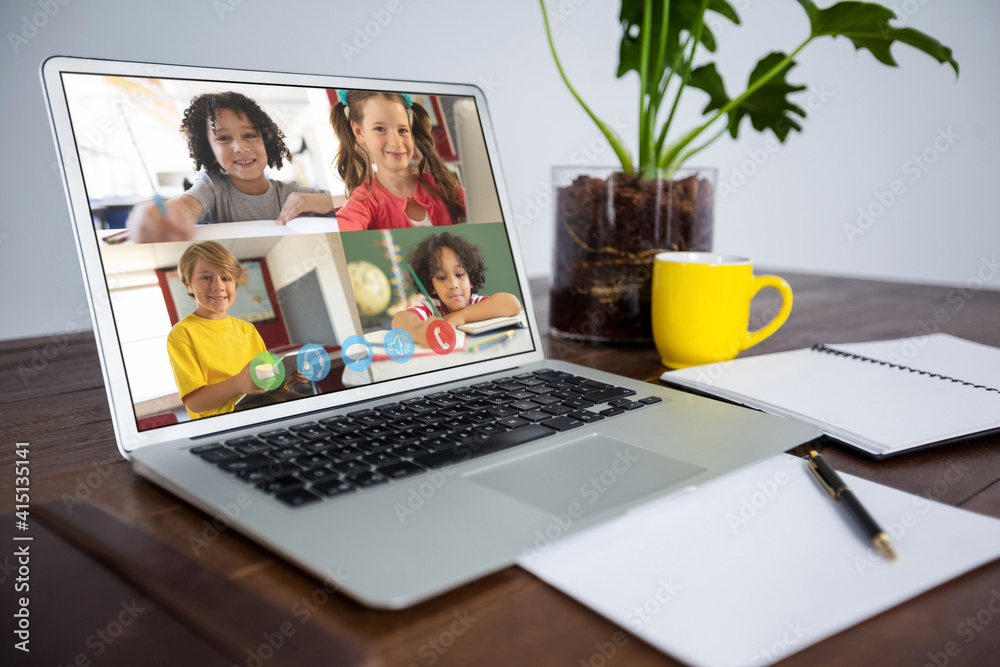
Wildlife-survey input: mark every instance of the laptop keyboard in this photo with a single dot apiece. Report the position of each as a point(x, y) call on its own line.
point(341, 455)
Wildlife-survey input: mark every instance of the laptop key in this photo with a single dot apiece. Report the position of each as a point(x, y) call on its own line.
point(524, 405)
point(605, 395)
point(247, 463)
point(397, 440)
point(489, 429)
point(535, 416)
point(332, 487)
point(286, 453)
point(339, 425)
point(611, 412)
point(411, 450)
point(512, 422)
point(244, 440)
point(255, 447)
point(502, 411)
point(398, 470)
point(563, 423)
point(374, 446)
point(312, 433)
point(347, 439)
point(344, 453)
point(367, 478)
point(201, 449)
point(545, 399)
point(521, 395)
point(577, 403)
point(619, 402)
point(297, 497)
point(553, 376)
point(586, 416)
point(380, 459)
point(219, 455)
point(284, 440)
point(556, 410)
point(430, 431)
point(651, 400)
point(312, 461)
point(280, 484)
point(631, 405)
point(350, 467)
point(319, 475)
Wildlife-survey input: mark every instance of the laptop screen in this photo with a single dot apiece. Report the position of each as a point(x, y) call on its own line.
point(272, 243)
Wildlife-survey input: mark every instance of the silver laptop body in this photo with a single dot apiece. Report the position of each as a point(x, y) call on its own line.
point(397, 543)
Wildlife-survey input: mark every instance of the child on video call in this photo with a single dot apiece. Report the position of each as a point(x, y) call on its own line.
point(231, 139)
point(210, 352)
point(452, 270)
point(392, 132)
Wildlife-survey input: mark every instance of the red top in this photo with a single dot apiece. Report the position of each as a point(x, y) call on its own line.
point(384, 210)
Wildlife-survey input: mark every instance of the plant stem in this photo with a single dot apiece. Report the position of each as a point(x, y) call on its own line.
point(644, 101)
point(684, 158)
point(684, 79)
point(669, 159)
point(613, 139)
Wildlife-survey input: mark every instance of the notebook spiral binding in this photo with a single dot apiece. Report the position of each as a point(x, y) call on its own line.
point(820, 347)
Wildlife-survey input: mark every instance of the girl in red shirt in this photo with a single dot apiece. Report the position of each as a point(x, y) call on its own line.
point(409, 185)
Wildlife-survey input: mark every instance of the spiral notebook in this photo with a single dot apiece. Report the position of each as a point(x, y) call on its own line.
point(882, 397)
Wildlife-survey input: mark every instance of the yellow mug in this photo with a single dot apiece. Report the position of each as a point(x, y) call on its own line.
point(701, 307)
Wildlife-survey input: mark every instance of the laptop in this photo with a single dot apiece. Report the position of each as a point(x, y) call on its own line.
point(395, 471)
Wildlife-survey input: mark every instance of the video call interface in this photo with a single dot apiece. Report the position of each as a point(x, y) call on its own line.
point(270, 243)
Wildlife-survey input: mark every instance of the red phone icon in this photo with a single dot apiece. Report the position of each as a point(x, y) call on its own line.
point(441, 336)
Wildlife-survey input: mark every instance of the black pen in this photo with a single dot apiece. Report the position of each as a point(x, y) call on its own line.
point(832, 482)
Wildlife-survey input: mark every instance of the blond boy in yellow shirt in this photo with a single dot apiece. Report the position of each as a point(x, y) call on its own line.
point(210, 352)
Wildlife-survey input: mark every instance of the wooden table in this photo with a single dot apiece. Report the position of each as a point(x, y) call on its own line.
point(123, 573)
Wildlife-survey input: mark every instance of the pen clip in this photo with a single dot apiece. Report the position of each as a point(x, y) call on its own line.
point(825, 484)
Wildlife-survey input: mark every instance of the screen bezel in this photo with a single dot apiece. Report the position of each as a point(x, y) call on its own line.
point(127, 435)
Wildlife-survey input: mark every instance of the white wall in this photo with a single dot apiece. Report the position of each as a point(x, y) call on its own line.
point(790, 214)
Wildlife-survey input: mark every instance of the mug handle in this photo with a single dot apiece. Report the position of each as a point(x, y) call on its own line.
point(759, 283)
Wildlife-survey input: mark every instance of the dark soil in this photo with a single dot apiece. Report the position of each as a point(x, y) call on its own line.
point(607, 233)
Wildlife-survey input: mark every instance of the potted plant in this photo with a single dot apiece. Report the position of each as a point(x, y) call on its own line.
point(611, 222)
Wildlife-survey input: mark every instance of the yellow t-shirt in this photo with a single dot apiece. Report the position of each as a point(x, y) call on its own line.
point(204, 352)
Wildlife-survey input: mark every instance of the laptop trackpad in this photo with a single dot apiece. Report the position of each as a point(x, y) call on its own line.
point(596, 472)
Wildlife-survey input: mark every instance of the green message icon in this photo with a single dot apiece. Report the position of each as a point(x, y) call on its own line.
point(267, 371)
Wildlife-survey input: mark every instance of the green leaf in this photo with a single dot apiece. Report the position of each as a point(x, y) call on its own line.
point(867, 25)
point(707, 79)
point(768, 107)
point(684, 16)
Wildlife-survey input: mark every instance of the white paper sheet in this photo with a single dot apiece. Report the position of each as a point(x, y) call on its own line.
point(761, 563)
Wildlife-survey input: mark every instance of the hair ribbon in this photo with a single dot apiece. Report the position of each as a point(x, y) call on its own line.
point(342, 96)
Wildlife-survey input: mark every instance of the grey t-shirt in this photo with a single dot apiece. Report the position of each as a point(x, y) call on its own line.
point(224, 203)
